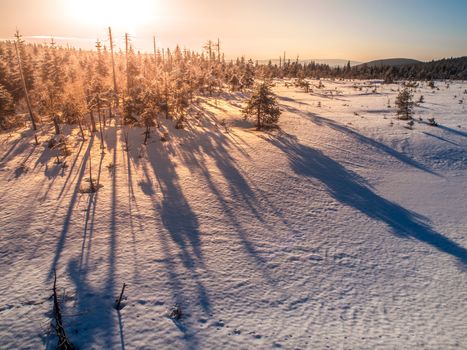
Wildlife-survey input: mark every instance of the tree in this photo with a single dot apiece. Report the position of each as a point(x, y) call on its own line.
point(148, 117)
point(74, 109)
point(53, 80)
point(26, 61)
point(248, 78)
point(25, 89)
point(6, 107)
point(263, 106)
point(405, 104)
point(180, 102)
point(234, 83)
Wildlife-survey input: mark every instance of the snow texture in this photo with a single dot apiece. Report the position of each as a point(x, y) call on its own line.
point(344, 230)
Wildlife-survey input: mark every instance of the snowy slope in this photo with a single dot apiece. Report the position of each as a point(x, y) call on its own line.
point(341, 231)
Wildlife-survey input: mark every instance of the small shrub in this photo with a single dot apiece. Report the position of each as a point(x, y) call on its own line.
point(175, 312)
point(432, 122)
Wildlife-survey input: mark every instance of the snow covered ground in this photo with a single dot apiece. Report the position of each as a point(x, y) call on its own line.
point(345, 230)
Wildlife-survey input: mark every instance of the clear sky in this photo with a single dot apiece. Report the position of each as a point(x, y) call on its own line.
point(349, 29)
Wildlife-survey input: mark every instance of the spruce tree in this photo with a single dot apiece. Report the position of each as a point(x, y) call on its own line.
point(248, 78)
point(6, 107)
point(263, 106)
point(405, 104)
point(26, 62)
point(234, 83)
point(53, 80)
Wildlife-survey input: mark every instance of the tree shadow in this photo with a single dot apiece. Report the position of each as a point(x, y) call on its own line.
point(441, 138)
point(68, 216)
point(129, 155)
point(99, 323)
point(176, 213)
point(96, 322)
point(351, 190)
point(362, 139)
point(200, 151)
point(70, 171)
point(18, 146)
point(453, 131)
point(88, 230)
point(120, 326)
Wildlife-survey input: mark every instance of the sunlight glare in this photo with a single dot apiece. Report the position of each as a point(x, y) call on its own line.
point(120, 14)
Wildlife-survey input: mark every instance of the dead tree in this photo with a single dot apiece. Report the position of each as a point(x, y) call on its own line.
point(28, 101)
point(113, 68)
point(63, 342)
point(119, 299)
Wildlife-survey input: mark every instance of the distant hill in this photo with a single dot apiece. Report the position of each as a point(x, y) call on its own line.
point(392, 62)
point(333, 62)
point(398, 69)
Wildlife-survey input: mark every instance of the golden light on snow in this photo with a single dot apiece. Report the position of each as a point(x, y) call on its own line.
point(122, 15)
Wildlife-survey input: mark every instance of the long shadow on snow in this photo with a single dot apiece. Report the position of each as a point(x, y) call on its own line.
point(182, 228)
point(134, 219)
point(98, 322)
point(204, 144)
point(361, 138)
point(349, 189)
point(69, 213)
point(193, 148)
point(94, 307)
point(453, 131)
point(18, 146)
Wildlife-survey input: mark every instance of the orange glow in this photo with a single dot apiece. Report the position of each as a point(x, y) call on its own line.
point(128, 16)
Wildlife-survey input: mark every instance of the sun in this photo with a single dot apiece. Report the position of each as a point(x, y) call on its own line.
point(120, 14)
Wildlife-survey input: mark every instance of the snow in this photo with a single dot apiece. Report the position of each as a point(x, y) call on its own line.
point(340, 231)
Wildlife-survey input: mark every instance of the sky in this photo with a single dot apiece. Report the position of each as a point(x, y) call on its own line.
point(359, 30)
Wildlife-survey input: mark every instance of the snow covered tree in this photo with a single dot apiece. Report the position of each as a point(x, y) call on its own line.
point(248, 78)
point(180, 103)
point(53, 84)
point(234, 83)
point(148, 118)
point(26, 61)
point(74, 109)
point(263, 106)
point(305, 85)
point(6, 107)
point(405, 104)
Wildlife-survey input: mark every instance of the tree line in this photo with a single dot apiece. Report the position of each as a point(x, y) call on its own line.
point(74, 86)
point(89, 87)
point(452, 68)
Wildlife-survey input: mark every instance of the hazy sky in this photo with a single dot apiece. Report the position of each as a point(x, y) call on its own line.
point(348, 29)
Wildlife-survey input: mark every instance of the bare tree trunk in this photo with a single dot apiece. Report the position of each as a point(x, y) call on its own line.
point(81, 128)
point(63, 342)
point(127, 64)
point(146, 135)
point(103, 117)
point(100, 123)
point(91, 182)
point(113, 68)
point(110, 113)
point(56, 125)
point(93, 121)
point(28, 101)
point(258, 120)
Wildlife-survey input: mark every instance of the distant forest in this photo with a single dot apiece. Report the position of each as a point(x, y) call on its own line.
point(452, 69)
point(66, 84)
